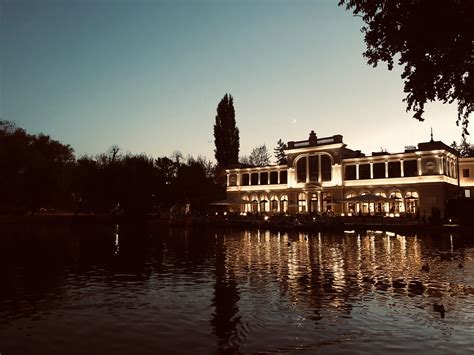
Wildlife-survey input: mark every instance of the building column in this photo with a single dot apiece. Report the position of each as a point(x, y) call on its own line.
point(228, 179)
point(418, 161)
point(258, 178)
point(402, 172)
point(278, 181)
point(386, 169)
point(357, 171)
point(371, 170)
point(441, 166)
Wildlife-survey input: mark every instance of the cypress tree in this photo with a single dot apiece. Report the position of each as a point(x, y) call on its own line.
point(226, 134)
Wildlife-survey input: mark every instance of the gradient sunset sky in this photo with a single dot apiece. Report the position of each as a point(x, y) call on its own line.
point(148, 75)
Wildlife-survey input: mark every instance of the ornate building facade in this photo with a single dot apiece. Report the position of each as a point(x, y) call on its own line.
point(323, 175)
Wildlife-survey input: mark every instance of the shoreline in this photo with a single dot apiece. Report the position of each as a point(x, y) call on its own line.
point(331, 225)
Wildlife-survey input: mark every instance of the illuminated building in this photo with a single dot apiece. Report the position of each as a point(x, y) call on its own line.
point(322, 174)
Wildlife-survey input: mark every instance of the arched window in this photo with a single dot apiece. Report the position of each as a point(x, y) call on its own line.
point(301, 202)
point(380, 207)
point(396, 203)
point(326, 168)
point(264, 204)
point(301, 170)
point(350, 206)
point(412, 201)
point(284, 203)
point(254, 204)
point(274, 204)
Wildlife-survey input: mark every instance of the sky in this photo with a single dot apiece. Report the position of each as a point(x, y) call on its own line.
point(148, 75)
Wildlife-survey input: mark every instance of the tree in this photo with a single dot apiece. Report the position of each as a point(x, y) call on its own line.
point(279, 152)
point(226, 134)
point(463, 148)
point(260, 156)
point(432, 39)
point(245, 160)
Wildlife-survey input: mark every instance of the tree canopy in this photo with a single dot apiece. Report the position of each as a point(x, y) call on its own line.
point(432, 39)
point(226, 134)
point(37, 173)
point(279, 152)
point(260, 156)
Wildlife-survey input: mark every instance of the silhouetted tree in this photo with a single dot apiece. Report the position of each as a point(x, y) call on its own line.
point(260, 156)
point(279, 152)
point(137, 181)
point(33, 169)
point(245, 160)
point(226, 134)
point(432, 39)
point(86, 186)
point(464, 148)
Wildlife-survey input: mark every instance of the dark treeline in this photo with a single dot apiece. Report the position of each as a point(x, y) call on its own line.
point(38, 172)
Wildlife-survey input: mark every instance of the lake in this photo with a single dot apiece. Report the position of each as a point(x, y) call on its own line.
point(129, 289)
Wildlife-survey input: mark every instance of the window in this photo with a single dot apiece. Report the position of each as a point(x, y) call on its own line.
point(326, 168)
point(327, 201)
point(263, 178)
point(314, 168)
point(410, 168)
point(350, 206)
point(254, 203)
point(245, 180)
point(379, 170)
point(465, 173)
point(246, 205)
point(254, 178)
point(396, 204)
point(350, 172)
point(301, 170)
point(283, 203)
point(264, 204)
point(394, 169)
point(301, 202)
point(232, 180)
point(283, 177)
point(411, 201)
point(274, 204)
point(364, 171)
point(274, 177)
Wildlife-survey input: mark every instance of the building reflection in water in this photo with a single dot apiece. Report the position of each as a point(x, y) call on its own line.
point(323, 272)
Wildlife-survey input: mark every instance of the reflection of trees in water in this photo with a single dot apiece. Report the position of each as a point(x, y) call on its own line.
point(226, 296)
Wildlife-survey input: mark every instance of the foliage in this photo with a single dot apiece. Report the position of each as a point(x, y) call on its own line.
point(432, 39)
point(464, 148)
point(245, 160)
point(226, 134)
point(38, 172)
point(260, 156)
point(33, 169)
point(279, 153)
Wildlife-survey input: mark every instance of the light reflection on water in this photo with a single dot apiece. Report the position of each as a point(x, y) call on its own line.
point(129, 289)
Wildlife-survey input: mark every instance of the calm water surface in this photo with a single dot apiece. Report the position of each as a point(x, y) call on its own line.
point(131, 290)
